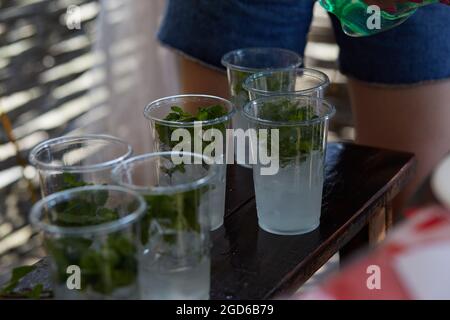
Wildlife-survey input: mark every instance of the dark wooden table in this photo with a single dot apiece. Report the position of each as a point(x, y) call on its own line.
point(249, 263)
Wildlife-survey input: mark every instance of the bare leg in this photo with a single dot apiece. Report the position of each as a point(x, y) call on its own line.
point(196, 78)
point(413, 119)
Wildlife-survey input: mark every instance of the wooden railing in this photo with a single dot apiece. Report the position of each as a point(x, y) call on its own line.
point(43, 69)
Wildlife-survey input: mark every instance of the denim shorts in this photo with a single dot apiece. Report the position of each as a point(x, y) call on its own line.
point(416, 51)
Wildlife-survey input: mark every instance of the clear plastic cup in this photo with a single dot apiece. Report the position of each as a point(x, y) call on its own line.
point(175, 264)
point(76, 161)
point(91, 235)
point(241, 64)
point(289, 199)
point(158, 113)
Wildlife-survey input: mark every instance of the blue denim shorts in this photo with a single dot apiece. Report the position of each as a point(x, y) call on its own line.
point(416, 51)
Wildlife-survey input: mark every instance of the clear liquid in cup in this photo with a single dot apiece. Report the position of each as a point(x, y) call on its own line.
point(290, 202)
point(179, 272)
point(189, 283)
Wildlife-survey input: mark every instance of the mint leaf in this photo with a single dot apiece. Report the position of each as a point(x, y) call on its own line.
point(70, 181)
point(17, 275)
point(294, 141)
point(238, 79)
point(88, 209)
point(101, 197)
point(177, 109)
point(35, 293)
point(203, 114)
point(105, 266)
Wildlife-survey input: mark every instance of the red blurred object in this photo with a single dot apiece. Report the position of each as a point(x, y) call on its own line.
point(413, 263)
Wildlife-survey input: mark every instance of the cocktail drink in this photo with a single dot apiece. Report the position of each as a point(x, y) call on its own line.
point(302, 81)
point(289, 200)
point(76, 161)
point(240, 65)
point(175, 260)
point(91, 236)
point(204, 119)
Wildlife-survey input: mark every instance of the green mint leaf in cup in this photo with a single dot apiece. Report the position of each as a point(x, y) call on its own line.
point(102, 267)
point(87, 210)
point(101, 198)
point(239, 79)
point(82, 212)
point(177, 110)
point(203, 114)
point(71, 181)
point(95, 228)
point(170, 171)
point(212, 112)
point(105, 268)
point(178, 115)
point(296, 140)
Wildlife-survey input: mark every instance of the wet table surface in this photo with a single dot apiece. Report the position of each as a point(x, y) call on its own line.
point(249, 263)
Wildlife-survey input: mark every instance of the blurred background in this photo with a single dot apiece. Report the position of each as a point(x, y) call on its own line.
point(91, 66)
